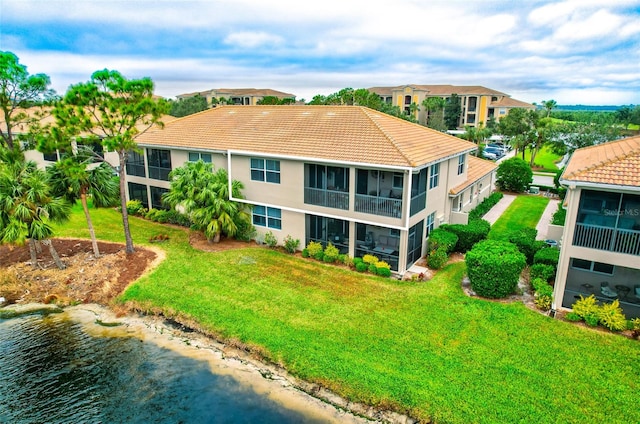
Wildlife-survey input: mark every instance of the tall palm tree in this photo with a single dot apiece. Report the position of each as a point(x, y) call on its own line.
point(76, 177)
point(27, 206)
point(204, 196)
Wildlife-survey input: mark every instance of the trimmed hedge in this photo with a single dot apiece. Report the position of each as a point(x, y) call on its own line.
point(469, 234)
point(484, 207)
point(494, 268)
point(525, 241)
point(542, 271)
point(548, 256)
point(442, 238)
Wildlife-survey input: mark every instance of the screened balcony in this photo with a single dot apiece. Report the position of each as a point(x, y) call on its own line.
point(326, 186)
point(379, 192)
point(608, 221)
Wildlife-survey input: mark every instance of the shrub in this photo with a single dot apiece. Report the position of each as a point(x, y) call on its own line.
point(514, 174)
point(291, 244)
point(484, 207)
point(270, 240)
point(332, 252)
point(438, 258)
point(347, 260)
point(585, 306)
point(373, 268)
point(441, 238)
point(305, 253)
point(543, 271)
point(525, 241)
point(559, 216)
point(382, 264)
point(635, 327)
point(134, 207)
point(591, 320)
point(370, 259)
point(319, 256)
point(543, 302)
point(313, 248)
point(246, 231)
point(611, 316)
point(494, 268)
point(469, 234)
point(362, 267)
point(573, 317)
point(384, 272)
point(548, 255)
point(328, 259)
point(357, 261)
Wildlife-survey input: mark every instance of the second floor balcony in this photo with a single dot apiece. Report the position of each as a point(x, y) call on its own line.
point(606, 238)
point(325, 197)
point(377, 205)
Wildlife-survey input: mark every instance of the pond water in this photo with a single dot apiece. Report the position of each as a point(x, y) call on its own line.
point(60, 369)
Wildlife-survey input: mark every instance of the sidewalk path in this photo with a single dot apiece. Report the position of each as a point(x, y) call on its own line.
point(545, 219)
point(497, 210)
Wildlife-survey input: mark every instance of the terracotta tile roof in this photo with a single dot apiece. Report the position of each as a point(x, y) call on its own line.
point(509, 102)
point(477, 169)
point(260, 92)
point(613, 163)
point(441, 89)
point(341, 133)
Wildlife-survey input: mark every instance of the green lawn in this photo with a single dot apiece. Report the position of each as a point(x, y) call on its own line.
point(545, 159)
point(524, 212)
point(424, 348)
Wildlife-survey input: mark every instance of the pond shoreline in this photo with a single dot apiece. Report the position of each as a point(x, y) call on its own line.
point(267, 379)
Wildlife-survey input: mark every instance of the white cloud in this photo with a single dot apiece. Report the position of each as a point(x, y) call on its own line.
point(248, 39)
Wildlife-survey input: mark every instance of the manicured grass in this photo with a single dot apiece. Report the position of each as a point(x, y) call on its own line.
point(545, 159)
point(425, 348)
point(524, 212)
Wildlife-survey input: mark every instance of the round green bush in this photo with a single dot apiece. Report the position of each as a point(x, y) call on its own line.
point(514, 174)
point(384, 272)
point(305, 253)
point(441, 238)
point(362, 267)
point(494, 268)
point(438, 258)
point(548, 255)
point(319, 256)
point(357, 260)
point(373, 268)
point(469, 234)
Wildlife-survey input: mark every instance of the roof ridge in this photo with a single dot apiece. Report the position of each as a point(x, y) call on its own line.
point(387, 135)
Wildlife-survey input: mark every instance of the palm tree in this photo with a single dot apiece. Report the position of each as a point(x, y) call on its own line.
point(435, 112)
point(75, 177)
point(549, 105)
point(26, 205)
point(204, 195)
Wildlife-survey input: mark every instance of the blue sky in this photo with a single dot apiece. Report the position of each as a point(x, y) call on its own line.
point(572, 51)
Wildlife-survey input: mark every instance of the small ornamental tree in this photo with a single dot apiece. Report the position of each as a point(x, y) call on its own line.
point(514, 175)
point(494, 268)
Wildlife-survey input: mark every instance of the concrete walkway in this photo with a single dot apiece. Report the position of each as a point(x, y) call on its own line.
point(499, 208)
point(545, 219)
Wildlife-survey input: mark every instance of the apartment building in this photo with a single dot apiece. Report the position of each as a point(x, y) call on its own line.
point(478, 103)
point(237, 96)
point(600, 249)
point(363, 180)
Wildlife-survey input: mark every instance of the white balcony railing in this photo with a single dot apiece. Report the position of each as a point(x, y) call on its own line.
point(375, 205)
point(607, 238)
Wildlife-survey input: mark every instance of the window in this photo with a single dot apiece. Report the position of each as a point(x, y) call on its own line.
point(51, 157)
point(434, 175)
point(398, 180)
point(159, 164)
point(139, 192)
point(196, 156)
point(460, 164)
point(598, 267)
point(267, 217)
point(156, 197)
point(135, 164)
point(265, 170)
point(431, 222)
